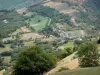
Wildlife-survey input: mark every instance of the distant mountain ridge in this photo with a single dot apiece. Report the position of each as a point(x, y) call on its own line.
point(11, 4)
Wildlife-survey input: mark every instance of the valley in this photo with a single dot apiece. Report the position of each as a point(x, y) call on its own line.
point(59, 28)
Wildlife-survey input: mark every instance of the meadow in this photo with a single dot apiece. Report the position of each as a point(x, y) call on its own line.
point(38, 22)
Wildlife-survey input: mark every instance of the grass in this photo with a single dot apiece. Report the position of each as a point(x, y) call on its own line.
point(7, 59)
point(86, 71)
point(29, 43)
point(68, 28)
point(67, 45)
point(29, 14)
point(34, 22)
point(7, 48)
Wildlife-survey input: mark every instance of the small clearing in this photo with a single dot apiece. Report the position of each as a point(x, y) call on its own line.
point(21, 11)
point(29, 43)
point(32, 36)
point(7, 48)
point(38, 22)
point(7, 59)
point(25, 30)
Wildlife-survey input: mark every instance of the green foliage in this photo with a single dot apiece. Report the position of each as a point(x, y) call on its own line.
point(92, 14)
point(38, 22)
point(1, 63)
point(84, 71)
point(6, 53)
point(34, 61)
point(63, 69)
point(62, 53)
point(32, 29)
point(1, 44)
point(88, 55)
point(9, 22)
point(55, 15)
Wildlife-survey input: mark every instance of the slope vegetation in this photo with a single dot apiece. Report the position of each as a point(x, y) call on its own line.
point(85, 71)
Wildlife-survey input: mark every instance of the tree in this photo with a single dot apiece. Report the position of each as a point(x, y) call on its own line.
point(1, 44)
point(1, 63)
point(34, 61)
point(88, 55)
point(32, 29)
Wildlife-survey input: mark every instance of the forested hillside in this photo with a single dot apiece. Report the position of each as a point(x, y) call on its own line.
point(9, 22)
point(92, 14)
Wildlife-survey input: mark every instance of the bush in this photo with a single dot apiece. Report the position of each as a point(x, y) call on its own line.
point(63, 69)
point(34, 61)
point(88, 55)
point(6, 53)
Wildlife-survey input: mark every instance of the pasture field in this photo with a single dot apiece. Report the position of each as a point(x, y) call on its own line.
point(7, 59)
point(29, 43)
point(38, 22)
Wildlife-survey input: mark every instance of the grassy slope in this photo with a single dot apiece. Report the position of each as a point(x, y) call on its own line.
point(88, 71)
point(38, 25)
